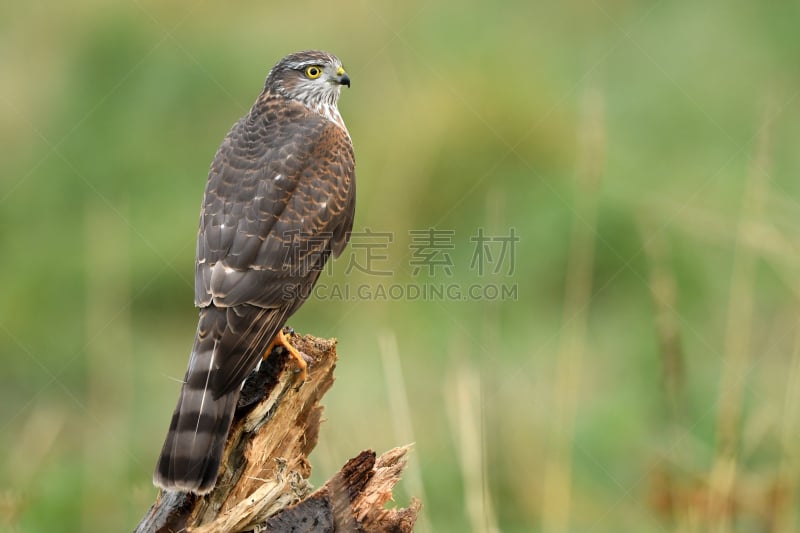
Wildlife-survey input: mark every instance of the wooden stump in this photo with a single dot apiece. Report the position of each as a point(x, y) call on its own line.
point(263, 482)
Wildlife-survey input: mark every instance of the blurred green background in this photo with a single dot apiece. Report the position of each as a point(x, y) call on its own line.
point(645, 377)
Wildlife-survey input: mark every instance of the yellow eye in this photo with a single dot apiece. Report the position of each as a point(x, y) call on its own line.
point(313, 72)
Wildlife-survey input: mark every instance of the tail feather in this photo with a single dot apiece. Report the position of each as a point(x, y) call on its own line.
point(228, 344)
point(193, 448)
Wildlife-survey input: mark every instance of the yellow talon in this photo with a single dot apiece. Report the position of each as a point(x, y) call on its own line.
point(281, 340)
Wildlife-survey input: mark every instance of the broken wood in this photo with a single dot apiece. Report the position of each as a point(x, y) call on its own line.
point(263, 481)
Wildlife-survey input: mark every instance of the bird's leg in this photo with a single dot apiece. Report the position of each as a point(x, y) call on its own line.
point(282, 341)
point(279, 340)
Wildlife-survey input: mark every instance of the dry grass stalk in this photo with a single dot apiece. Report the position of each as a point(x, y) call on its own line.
point(401, 416)
point(557, 483)
point(789, 471)
point(736, 363)
point(463, 395)
point(663, 290)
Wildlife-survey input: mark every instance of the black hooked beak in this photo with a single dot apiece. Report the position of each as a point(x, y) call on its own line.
point(342, 77)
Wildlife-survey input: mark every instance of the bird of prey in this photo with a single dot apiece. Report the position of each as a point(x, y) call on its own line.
point(279, 201)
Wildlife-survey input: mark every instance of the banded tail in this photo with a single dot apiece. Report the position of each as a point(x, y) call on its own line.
point(228, 345)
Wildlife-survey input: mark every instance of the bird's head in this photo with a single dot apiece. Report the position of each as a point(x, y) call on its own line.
point(312, 77)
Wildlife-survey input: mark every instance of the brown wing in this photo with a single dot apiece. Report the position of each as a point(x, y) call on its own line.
point(280, 198)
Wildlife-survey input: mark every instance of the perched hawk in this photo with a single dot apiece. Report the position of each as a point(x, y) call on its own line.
point(279, 201)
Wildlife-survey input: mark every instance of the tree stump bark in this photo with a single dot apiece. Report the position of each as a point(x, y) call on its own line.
point(263, 481)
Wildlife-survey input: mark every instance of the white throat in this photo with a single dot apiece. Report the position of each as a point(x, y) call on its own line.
point(328, 110)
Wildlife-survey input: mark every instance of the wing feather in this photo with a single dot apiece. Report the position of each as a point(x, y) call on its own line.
point(279, 201)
